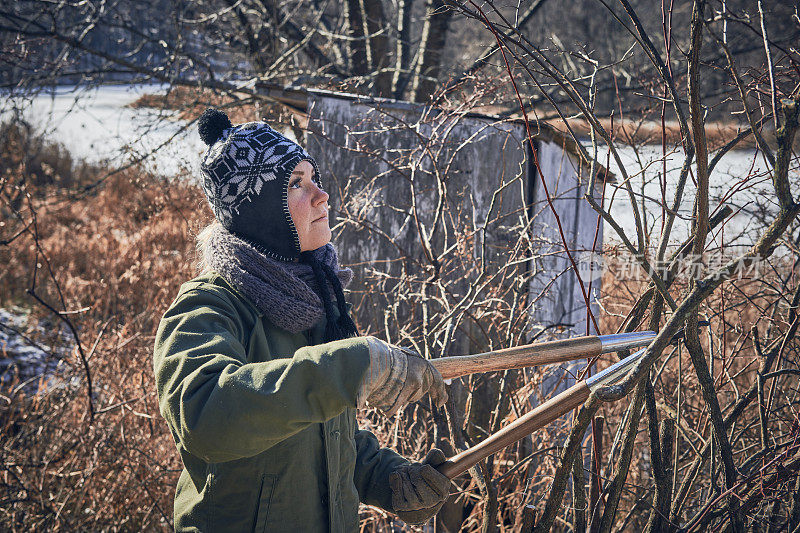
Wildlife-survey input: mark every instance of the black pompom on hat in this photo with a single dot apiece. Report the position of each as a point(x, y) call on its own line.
point(211, 124)
point(246, 172)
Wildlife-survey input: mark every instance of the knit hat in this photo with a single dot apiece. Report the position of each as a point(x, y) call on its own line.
point(246, 172)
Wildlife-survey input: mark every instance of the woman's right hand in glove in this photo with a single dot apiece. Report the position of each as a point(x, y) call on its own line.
point(398, 376)
point(419, 490)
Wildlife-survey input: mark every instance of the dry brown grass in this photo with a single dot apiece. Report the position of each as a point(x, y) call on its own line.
point(650, 131)
point(117, 258)
point(191, 102)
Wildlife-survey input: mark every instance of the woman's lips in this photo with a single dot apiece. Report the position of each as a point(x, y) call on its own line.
point(323, 217)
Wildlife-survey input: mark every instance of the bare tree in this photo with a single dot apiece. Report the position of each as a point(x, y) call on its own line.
point(229, 44)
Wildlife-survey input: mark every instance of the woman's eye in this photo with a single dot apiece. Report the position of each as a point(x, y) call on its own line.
point(295, 185)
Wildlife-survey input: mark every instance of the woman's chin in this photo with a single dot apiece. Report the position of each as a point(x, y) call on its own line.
point(318, 241)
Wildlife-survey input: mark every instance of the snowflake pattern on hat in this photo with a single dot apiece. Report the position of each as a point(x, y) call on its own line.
point(236, 167)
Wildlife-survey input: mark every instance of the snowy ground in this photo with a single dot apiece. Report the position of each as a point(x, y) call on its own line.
point(24, 358)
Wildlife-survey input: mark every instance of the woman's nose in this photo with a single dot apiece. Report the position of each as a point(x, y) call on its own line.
point(320, 195)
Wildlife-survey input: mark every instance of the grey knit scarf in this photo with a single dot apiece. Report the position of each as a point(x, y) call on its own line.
point(284, 291)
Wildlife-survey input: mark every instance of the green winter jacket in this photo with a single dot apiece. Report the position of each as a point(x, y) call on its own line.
point(264, 419)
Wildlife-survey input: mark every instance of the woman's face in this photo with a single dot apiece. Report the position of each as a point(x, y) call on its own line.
point(308, 205)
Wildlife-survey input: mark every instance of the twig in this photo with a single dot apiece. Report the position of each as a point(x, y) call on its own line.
point(595, 479)
point(571, 447)
point(614, 490)
point(578, 492)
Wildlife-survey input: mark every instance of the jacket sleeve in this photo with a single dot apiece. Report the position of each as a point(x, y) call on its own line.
point(373, 466)
point(221, 408)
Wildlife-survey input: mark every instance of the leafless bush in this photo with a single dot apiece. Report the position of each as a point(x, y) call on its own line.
point(729, 371)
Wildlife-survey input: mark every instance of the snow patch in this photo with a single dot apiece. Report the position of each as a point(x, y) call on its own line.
point(26, 354)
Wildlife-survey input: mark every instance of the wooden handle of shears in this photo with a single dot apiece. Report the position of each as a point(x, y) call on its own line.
point(540, 416)
point(525, 425)
point(542, 353)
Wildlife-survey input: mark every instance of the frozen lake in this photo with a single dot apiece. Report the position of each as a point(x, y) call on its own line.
point(96, 125)
point(740, 179)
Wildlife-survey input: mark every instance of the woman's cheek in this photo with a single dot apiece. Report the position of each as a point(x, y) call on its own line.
point(294, 206)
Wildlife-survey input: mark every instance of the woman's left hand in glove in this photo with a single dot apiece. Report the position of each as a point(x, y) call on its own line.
point(418, 489)
point(397, 377)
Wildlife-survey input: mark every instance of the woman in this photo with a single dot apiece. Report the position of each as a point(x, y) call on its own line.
point(259, 367)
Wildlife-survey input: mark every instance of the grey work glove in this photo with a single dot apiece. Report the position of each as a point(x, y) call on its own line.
point(398, 376)
point(418, 489)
